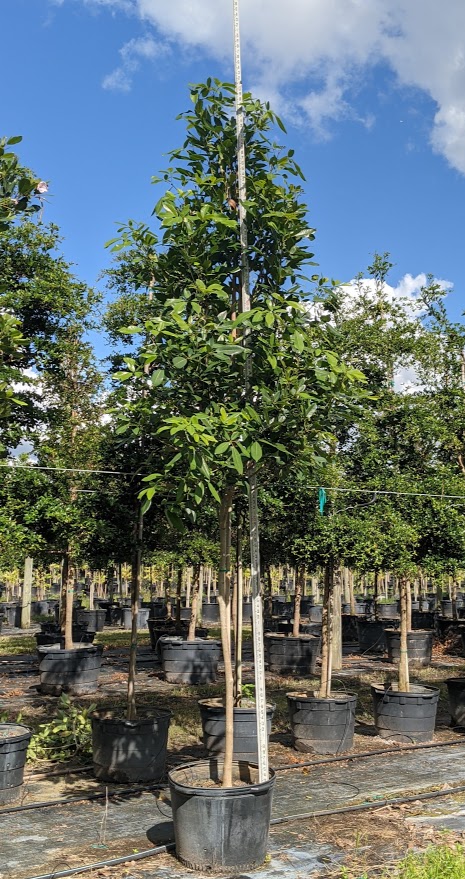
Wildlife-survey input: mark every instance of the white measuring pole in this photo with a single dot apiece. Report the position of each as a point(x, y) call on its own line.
point(257, 618)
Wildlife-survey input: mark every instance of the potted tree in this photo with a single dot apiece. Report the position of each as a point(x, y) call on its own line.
point(220, 416)
point(131, 748)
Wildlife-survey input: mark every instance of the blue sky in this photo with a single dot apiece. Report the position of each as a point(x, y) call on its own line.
point(372, 95)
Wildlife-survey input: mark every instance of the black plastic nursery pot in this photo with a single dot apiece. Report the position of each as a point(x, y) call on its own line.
point(322, 726)
point(387, 611)
point(189, 662)
point(127, 751)
point(315, 613)
point(14, 741)
point(73, 671)
point(213, 718)
point(223, 830)
point(210, 612)
point(289, 655)
point(371, 636)
point(93, 619)
point(456, 693)
point(419, 646)
point(405, 717)
point(142, 617)
point(157, 628)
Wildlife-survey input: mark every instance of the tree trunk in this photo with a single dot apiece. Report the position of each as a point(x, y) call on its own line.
point(224, 601)
point(26, 594)
point(239, 591)
point(135, 593)
point(188, 586)
point(326, 651)
point(69, 607)
point(351, 593)
point(195, 589)
point(336, 620)
point(299, 577)
point(404, 683)
point(454, 598)
point(178, 598)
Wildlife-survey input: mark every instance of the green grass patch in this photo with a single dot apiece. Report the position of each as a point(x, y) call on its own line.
point(17, 644)
point(437, 862)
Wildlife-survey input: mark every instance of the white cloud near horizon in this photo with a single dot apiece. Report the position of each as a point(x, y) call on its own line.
point(314, 55)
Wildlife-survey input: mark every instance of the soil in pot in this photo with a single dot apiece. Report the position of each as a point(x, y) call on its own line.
point(14, 741)
point(456, 693)
point(289, 655)
point(419, 647)
point(217, 829)
point(69, 671)
point(322, 726)
point(405, 717)
point(127, 751)
point(213, 718)
point(189, 662)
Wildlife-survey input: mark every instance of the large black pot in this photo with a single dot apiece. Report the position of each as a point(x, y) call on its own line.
point(322, 726)
point(189, 662)
point(422, 619)
point(79, 635)
point(315, 613)
point(360, 608)
point(387, 611)
point(157, 628)
point(93, 619)
point(14, 741)
point(69, 671)
point(210, 612)
point(158, 609)
point(220, 829)
point(405, 717)
point(213, 719)
point(289, 655)
point(371, 637)
point(127, 751)
point(142, 616)
point(456, 693)
point(419, 646)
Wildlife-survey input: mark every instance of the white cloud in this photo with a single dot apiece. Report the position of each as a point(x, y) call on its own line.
point(316, 54)
point(132, 53)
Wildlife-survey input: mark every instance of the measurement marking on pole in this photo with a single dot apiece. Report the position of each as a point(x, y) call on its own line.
point(258, 648)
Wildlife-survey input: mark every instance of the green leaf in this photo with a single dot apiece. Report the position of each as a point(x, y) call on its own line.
point(174, 520)
point(256, 451)
point(179, 362)
point(237, 460)
point(213, 492)
point(157, 378)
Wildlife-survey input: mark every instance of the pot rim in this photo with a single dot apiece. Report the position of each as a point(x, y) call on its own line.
point(415, 690)
point(343, 697)
point(217, 702)
point(56, 649)
point(19, 737)
point(243, 790)
point(151, 715)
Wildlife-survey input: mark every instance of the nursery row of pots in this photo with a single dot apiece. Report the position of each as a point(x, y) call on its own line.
point(135, 751)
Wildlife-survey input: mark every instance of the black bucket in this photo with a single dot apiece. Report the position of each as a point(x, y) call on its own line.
point(127, 751)
point(315, 613)
point(419, 647)
point(405, 717)
point(322, 726)
point(73, 671)
point(94, 619)
point(217, 829)
point(387, 611)
point(158, 609)
point(14, 741)
point(371, 637)
point(422, 619)
point(289, 655)
point(456, 693)
point(213, 718)
point(210, 613)
point(189, 662)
